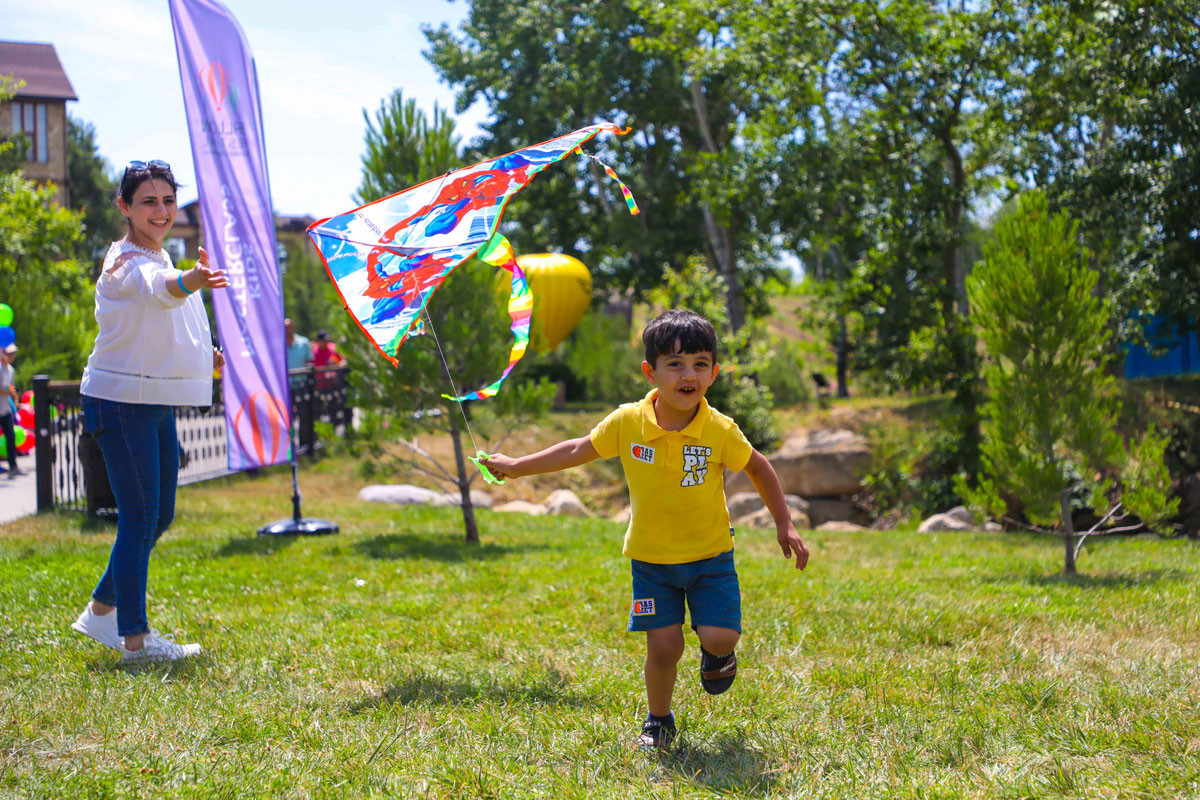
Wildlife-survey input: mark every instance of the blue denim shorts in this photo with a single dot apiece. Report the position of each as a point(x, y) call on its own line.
point(710, 588)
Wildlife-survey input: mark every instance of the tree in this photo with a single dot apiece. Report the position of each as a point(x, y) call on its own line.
point(1051, 409)
point(548, 67)
point(405, 148)
point(309, 298)
point(47, 290)
point(467, 337)
point(93, 193)
point(1118, 146)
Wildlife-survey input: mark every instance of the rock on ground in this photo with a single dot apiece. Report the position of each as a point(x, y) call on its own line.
point(818, 463)
point(743, 504)
point(763, 519)
point(840, 526)
point(564, 501)
point(835, 509)
point(522, 507)
point(400, 494)
point(956, 519)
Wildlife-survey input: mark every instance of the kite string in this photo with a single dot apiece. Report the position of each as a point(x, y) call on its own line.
point(450, 377)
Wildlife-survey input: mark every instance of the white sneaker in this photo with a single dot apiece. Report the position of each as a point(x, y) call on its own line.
point(101, 627)
point(159, 648)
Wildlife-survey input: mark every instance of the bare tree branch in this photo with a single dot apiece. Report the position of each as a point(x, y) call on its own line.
point(414, 448)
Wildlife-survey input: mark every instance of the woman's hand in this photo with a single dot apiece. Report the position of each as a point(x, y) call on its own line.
point(218, 359)
point(202, 276)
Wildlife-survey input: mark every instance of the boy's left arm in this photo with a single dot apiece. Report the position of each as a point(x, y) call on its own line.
point(763, 476)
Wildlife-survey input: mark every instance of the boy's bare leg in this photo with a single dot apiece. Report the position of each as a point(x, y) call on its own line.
point(664, 648)
point(718, 641)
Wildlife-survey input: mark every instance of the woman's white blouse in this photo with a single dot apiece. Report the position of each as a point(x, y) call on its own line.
point(152, 348)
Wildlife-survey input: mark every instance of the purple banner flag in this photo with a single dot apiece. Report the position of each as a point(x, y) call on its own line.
point(220, 96)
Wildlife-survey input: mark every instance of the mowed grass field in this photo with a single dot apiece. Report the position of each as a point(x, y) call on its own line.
point(392, 660)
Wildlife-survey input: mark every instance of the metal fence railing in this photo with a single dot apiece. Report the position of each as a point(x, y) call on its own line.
point(67, 473)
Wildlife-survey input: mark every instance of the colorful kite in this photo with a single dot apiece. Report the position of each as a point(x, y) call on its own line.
point(389, 257)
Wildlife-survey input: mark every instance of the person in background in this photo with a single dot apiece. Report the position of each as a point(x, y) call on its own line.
point(153, 352)
point(7, 419)
point(299, 348)
point(325, 353)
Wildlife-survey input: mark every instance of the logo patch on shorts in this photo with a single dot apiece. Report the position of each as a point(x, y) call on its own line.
point(642, 453)
point(643, 608)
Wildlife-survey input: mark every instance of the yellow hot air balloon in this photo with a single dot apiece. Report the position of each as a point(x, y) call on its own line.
point(562, 291)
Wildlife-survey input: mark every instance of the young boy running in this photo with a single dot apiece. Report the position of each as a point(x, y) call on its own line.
point(674, 449)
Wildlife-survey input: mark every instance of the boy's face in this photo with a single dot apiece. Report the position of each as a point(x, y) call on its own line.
point(682, 378)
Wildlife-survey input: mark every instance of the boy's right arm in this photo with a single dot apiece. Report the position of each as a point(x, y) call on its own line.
point(563, 455)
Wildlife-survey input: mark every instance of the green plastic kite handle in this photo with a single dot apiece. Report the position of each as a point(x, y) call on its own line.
point(478, 460)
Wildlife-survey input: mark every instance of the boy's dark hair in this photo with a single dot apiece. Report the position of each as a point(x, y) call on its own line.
point(693, 332)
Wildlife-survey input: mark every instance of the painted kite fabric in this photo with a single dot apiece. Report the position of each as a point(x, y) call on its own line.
point(387, 258)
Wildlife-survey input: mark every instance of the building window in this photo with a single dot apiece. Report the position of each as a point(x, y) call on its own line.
point(30, 119)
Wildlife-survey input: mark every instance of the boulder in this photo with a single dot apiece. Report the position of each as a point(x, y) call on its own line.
point(840, 526)
point(400, 494)
point(992, 527)
point(522, 507)
point(835, 509)
point(763, 519)
point(479, 499)
point(564, 501)
point(623, 516)
point(817, 463)
point(743, 504)
point(956, 519)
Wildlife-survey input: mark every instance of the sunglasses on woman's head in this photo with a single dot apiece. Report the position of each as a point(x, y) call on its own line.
point(138, 166)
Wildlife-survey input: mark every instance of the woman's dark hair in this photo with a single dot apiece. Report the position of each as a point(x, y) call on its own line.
point(132, 178)
point(693, 333)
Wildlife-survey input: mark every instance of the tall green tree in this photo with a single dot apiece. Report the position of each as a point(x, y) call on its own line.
point(467, 337)
point(547, 67)
point(404, 147)
point(47, 290)
point(93, 193)
point(1052, 411)
point(1117, 142)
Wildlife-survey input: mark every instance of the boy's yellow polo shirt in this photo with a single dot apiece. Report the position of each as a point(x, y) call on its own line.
point(676, 480)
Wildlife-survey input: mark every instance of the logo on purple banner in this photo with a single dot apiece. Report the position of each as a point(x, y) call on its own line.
point(220, 97)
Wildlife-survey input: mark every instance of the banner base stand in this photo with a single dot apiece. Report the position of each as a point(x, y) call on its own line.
point(305, 526)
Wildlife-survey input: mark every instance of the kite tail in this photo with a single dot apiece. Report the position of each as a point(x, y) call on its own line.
point(628, 195)
point(499, 253)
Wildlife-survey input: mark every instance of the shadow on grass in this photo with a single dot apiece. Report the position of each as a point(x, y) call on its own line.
point(548, 690)
point(1121, 580)
point(724, 764)
point(254, 545)
point(395, 546)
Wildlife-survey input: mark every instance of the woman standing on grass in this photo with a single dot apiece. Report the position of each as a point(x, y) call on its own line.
point(153, 352)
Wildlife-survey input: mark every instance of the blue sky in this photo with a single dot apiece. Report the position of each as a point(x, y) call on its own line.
point(319, 65)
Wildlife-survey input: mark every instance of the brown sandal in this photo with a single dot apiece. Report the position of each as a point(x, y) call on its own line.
point(716, 679)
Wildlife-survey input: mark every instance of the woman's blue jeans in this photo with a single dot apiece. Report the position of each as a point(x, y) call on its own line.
point(141, 451)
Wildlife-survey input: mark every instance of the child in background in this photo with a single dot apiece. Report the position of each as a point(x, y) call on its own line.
point(674, 450)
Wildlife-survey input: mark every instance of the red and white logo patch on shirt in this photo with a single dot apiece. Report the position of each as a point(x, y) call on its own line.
point(642, 453)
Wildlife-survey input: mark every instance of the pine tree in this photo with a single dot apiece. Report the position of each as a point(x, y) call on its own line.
point(1051, 409)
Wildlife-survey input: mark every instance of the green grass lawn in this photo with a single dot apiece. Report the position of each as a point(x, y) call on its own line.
point(392, 660)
